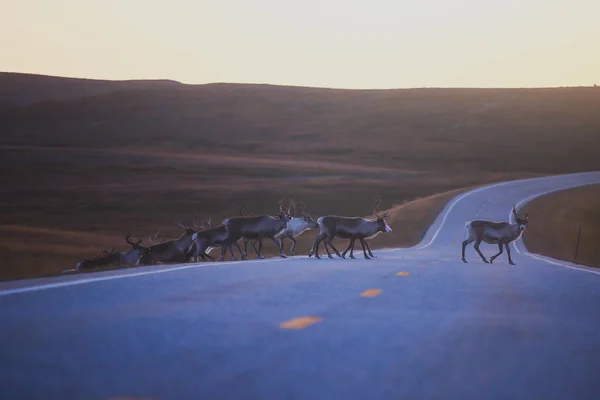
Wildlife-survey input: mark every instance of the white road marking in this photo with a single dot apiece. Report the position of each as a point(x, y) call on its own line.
point(537, 257)
point(35, 288)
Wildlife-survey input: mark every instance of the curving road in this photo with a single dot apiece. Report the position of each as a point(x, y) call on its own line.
point(412, 324)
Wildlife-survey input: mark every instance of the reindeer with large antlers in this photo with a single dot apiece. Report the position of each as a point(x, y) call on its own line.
point(125, 258)
point(500, 233)
point(296, 226)
point(132, 256)
point(170, 251)
point(255, 228)
point(352, 228)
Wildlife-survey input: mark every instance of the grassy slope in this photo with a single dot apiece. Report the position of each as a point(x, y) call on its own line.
point(138, 159)
point(554, 223)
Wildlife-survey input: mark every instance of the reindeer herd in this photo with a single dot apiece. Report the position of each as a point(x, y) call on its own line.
point(196, 243)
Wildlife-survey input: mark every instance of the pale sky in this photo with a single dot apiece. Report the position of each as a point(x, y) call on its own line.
point(326, 43)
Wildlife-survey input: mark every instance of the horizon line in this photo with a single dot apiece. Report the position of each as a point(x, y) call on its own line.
point(290, 85)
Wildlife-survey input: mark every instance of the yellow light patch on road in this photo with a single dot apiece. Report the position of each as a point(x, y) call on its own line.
point(299, 323)
point(403, 273)
point(370, 293)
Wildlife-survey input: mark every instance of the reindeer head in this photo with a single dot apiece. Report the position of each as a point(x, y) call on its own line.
point(284, 217)
point(308, 220)
point(521, 222)
point(382, 225)
point(137, 246)
point(188, 231)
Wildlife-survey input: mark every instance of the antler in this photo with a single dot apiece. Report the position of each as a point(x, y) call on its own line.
point(199, 226)
point(108, 253)
point(129, 241)
point(291, 207)
point(376, 210)
point(281, 207)
point(208, 222)
point(516, 215)
point(302, 210)
point(377, 200)
point(240, 209)
point(155, 237)
point(181, 225)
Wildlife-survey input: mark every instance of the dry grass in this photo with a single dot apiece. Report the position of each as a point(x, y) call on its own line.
point(83, 162)
point(554, 224)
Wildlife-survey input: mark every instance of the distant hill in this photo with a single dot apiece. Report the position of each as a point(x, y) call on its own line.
point(22, 89)
point(403, 128)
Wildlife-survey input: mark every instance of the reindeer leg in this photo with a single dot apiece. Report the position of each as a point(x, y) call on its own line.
point(464, 246)
point(205, 254)
point(253, 243)
point(316, 244)
point(230, 247)
point(333, 247)
point(245, 253)
point(237, 246)
point(369, 249)
point(362, 243)
point(326, 249)
point(350, 244)
point(510, 261)
point(492, 258)
point(258, 254)
point(223, 249)
point(280, 248)
point(293, 249)
point(476, 245)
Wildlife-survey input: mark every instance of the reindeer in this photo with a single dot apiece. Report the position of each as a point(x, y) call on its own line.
point(349, 228)
point(126, 258)
point(170, 251)
point(255, 228)
point(132, 256)
point(105, 259)
point(207, 239)
point(296, 226)
point(500, 233)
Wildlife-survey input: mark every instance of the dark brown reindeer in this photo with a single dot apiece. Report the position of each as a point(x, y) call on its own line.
point(352, 228)
point(207, 239)
point(255, 228)
point(500, 233)
point(125, 258)
point(105, 259)
point(170, 251)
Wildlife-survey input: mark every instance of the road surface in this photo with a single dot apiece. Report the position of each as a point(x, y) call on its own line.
point(412, 324)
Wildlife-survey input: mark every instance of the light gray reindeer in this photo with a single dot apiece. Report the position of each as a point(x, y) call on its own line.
point(352, 228)
point(255, 228)
point(500, 233)
point(207, 239)
point(366, 244)
point(170, 251)
point(296, 226)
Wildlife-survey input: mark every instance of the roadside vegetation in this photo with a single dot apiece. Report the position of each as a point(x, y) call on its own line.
point(554, 225)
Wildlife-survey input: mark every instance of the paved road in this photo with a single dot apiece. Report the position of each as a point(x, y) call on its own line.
point(440, 329)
